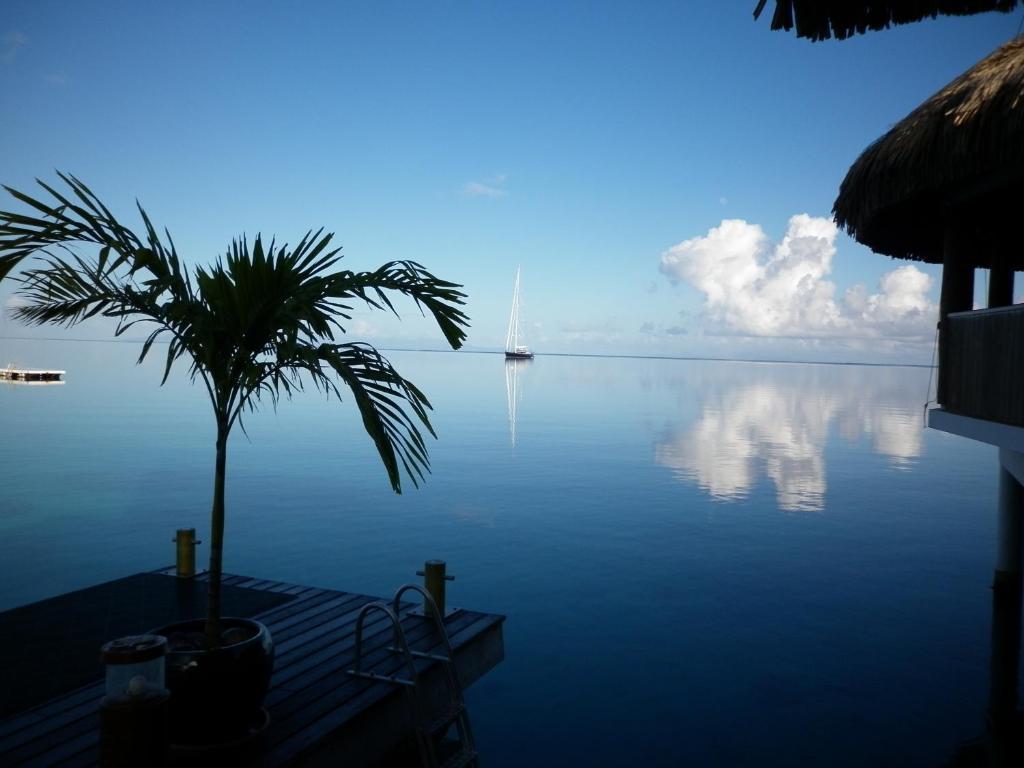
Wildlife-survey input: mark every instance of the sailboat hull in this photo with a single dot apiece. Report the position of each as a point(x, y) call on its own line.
point(519, 355)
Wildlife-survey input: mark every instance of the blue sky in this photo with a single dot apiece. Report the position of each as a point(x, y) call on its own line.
point(600, 145)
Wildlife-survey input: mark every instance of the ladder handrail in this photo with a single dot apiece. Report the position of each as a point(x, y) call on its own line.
point(435, 613)
point(401, 645)
point(455, 689)
point(424, 735)
point(396, 629)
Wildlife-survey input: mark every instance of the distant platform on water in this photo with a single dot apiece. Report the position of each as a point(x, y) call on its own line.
point(10, 373)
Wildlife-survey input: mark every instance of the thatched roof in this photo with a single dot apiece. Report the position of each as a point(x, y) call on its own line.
point(960, 155)
point(822, 19)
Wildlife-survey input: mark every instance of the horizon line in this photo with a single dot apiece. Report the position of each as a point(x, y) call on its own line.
point(695, 358)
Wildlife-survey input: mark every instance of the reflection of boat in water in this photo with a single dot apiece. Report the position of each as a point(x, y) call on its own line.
point(513, 349)
point(513, 391)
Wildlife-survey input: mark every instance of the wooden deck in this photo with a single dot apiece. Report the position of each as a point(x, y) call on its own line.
point(318, 713)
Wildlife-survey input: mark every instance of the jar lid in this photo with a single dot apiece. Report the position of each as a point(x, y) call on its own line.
point(134, 649)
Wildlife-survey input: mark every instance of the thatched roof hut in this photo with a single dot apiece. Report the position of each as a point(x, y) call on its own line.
point(822, 19)
point(957, 157)
point(945, 185)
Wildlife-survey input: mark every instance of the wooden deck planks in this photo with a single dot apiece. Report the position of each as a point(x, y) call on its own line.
point(331, 697)
point(330, 618)
point(311, 697)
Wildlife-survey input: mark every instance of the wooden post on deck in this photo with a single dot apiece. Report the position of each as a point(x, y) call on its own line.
point(957, 293)
point(434, 577)
point(186, 552)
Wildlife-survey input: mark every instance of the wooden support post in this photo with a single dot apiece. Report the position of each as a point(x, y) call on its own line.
point(1011, 509)
point(1006, 606)
point(1000, 282)
point(957, 295)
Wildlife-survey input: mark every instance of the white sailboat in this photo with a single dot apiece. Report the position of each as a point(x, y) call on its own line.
point(513, 349)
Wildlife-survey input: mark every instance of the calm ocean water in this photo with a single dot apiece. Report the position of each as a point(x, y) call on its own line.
point(706, 563)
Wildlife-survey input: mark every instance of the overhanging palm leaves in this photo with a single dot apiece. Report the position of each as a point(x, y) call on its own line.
point(250, 326)
point(262, 322)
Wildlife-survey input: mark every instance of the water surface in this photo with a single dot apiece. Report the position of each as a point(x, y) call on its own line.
point(713, 563)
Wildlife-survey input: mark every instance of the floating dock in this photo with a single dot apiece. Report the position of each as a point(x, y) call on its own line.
point(10, 373)
point(319, 714)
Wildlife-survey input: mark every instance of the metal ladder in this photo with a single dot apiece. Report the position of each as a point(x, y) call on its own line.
point(429, 735)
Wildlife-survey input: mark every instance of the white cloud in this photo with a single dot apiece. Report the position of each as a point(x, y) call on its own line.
point(10, 44)
point(491, 187)
point(752, 287)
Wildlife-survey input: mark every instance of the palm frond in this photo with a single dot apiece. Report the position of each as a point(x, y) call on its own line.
point(380, 392)
point(257, 324)
point(439, 297)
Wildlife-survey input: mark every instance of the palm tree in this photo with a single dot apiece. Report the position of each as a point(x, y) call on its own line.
point(257, 325)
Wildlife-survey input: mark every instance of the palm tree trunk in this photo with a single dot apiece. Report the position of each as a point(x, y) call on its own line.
point(217, 536)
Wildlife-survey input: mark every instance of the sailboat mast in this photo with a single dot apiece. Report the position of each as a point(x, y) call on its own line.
point(515, 339)
point(513, 322)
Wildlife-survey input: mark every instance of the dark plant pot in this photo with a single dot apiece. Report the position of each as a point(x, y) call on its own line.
point(217, 695)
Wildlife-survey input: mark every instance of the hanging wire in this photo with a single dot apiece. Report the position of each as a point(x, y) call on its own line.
point(931, 374)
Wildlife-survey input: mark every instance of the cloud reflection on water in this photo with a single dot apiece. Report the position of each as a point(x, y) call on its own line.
point(779, 425)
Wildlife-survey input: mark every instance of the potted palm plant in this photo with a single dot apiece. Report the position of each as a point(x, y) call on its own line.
point(262, 322)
